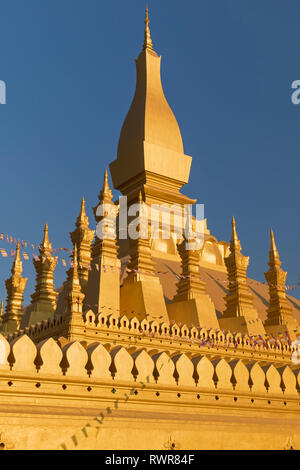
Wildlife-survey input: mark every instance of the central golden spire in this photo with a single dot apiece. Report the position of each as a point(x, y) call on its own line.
point(150, 149)
point(147, 34)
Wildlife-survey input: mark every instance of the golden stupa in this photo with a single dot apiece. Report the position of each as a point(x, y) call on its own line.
point(149, 344)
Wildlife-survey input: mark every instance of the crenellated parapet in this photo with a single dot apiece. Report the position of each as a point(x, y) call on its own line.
point(149, 334)
point(99, 364)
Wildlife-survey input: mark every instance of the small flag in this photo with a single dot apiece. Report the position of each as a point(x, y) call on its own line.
point(3, 253)
point(25, 256)
point(64, 262)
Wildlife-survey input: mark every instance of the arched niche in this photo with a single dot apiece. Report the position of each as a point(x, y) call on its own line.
point(211, 253)
point(163, 245)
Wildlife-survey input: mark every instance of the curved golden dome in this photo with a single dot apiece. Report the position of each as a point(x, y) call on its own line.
point(149, 118)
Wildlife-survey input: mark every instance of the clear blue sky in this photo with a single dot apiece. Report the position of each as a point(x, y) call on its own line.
point(227, 69)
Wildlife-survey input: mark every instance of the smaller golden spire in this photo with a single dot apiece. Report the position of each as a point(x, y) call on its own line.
point(46, 237)
point(46, 245)
point(140, 197)
point(82, 219)
point(239, 301)
point(82, 237)
point(105, 193)
point(273, 253)
point(140, 252)
point(15, 287)
point(17, 264)
point(235, 243)
point(106, 203)
point(147, 34)
point(233, 224)
point(105, 184)
point(44, 297)
point(273, 245)
point(75, 294)
point(279, 311)
point(82, 215)
point(75, 277)
point(104, 252)
point(190, 284)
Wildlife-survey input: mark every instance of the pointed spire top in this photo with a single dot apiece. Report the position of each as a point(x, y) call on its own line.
point(147, 35)
point(140, 197)
point(234, 234)
point(82, 214)
point(46, 236)
point(234, 242)
point(273, 245)
point(273, 253)
point(74, 271)
point(17, 264)
point(82, 218)
point(82, 208)
point(2, 308)
point(105, 194)
point(106, 177)
point(46, 245)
